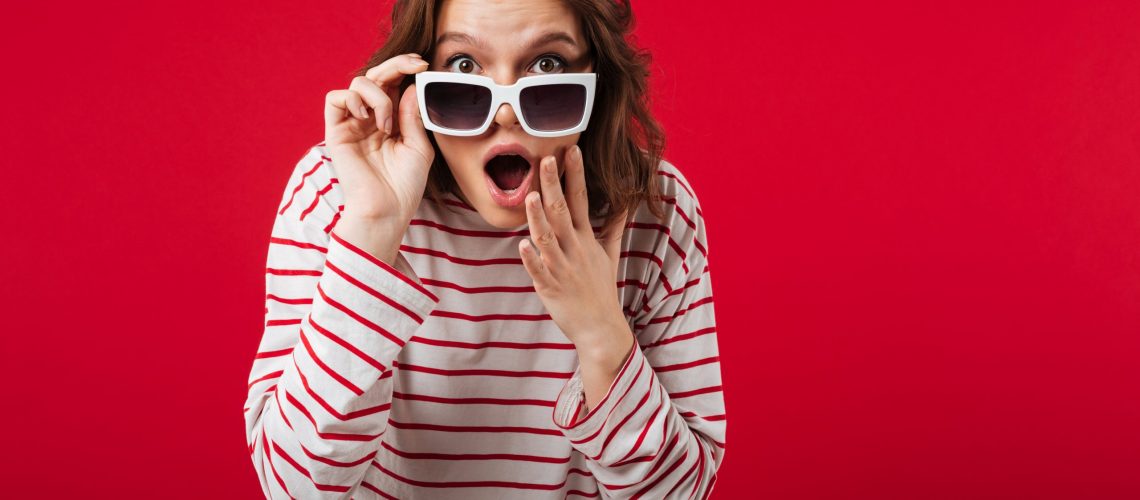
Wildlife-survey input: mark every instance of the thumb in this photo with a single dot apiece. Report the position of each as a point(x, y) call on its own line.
point(411, 125)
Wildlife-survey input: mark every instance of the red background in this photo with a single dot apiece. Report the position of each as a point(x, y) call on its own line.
point(923, 226)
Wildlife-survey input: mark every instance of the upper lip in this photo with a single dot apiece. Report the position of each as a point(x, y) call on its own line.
point(512, 148)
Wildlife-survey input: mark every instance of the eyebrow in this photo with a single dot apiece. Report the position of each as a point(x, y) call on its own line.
point(551, 37)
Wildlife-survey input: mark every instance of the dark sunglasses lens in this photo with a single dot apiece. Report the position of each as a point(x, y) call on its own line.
point(549, 108)
point(458, 106)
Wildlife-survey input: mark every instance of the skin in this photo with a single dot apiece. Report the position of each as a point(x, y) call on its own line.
point(574, 272)
point(377, 140)
point(507, 27)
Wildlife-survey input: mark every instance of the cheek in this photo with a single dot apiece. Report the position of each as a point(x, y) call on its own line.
point(461, 156)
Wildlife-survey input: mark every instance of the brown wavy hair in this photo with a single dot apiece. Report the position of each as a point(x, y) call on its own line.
point(622, 144)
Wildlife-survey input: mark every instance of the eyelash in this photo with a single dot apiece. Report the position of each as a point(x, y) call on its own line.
point(561, 60)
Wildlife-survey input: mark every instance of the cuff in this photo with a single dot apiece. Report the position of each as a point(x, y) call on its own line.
point(571, 399)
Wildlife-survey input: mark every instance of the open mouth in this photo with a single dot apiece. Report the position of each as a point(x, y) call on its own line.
point(508, 176)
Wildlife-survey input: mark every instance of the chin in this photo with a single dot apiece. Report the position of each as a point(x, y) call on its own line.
point(501, 217)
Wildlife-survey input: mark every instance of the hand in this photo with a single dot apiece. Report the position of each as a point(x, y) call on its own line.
point(574, 274)
point(382, 163)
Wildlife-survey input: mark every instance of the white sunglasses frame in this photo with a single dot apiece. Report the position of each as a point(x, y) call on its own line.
point(505, 94)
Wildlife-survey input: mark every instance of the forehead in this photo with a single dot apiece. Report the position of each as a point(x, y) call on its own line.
point(507, 24)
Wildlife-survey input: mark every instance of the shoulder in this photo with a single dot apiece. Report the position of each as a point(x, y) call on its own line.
point(682, 206)
point(676, 244)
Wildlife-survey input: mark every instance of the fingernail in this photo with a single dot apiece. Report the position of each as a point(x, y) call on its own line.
point(364, 111)
point(577, 153)
point(388, 125)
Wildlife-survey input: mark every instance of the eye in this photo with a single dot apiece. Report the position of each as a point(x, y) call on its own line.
point(549, 62)
point(466, 63)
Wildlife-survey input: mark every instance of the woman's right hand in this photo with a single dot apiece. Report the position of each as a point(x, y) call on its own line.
point(381, 161)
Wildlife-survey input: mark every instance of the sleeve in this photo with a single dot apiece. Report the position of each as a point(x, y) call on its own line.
point(659, 432)
point(335, 319)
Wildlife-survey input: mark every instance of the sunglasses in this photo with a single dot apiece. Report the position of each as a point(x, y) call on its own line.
point(546, 105)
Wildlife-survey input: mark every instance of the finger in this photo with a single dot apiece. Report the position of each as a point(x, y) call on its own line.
point(533, 264)
point(390, 73)
point(557, 211)
point(375, 99)
point(342, 101)
point(576, 194)
point(542, 234)
point(411, 126)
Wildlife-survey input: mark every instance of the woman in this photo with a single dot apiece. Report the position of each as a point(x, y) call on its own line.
point(418, 344)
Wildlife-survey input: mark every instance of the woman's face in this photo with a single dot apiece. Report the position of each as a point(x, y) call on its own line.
point(497, 39)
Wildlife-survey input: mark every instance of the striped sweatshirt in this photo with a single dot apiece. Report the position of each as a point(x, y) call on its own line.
point(443, 376)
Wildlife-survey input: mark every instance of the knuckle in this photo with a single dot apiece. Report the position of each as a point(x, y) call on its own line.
point(545, 239)
point(559, 206)
point(582, 194)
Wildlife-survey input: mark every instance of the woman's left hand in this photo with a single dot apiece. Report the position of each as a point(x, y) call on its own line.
point(576, 273)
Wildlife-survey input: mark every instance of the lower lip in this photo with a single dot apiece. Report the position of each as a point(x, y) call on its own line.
point(513, 198)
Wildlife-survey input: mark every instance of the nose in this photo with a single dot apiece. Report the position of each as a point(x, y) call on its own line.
point(505, 116)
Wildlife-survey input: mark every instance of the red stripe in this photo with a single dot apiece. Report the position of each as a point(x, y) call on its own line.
point(335, 218)
point(679, 182)
point(614, 432)
point(481, 289)
point(469, 232)
point(690, 364)
point(298, 244)
point(682, 312)
point(473, 456)
point(328, 435)
point(700, 467)
point(686, 475)
point(270, 296)
point(302, 470)
point(478, 372)
point(493, 344)
point(663, 475)
point(683, 336)
point(292, 272)
point(377, 491)
point(470, 428)
point(332, 373)
point(273, 354)
point(349, 347)
point(491, 317)
point(668, 236)
point(269, 458)
point(300, 184)
point(280, 410)
point(283, 322)
point(470, 484)
point(473, 401)
point(695, 392)
point(384, 265)
point(317, 198)
point(371, 291)
point(641, 437)
point(332, 411)
point(460, 260)
point(656, 465)
point(267, 376)
point(624, 368)
point(710, 418)
point(362, 320)
point(581, 493)
point(335, 463)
